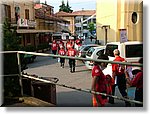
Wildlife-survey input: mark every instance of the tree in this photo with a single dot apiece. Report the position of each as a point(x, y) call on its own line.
point(91, 27)
point(65, 8)
point(10, 38)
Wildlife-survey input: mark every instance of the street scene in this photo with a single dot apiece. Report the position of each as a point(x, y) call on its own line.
point(69, 53)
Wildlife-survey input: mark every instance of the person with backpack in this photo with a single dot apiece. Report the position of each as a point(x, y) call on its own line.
point(99, 82)
point(118, 74)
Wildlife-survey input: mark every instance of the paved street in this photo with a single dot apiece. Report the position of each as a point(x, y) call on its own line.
point(49, 67)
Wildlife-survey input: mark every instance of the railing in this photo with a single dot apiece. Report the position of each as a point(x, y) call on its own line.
point(77, 58)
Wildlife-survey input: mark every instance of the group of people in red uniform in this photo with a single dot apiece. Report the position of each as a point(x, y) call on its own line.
point(106, 84)
point(63, 50)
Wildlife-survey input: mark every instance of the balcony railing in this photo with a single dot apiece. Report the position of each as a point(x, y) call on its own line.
point(21, 22)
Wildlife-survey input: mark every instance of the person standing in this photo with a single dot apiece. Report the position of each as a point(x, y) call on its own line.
point(61, 43)
point(118, 71)
point(72, 53)
point(62, 52)
point(68, 45)
point(99, 81)
point(138, 83)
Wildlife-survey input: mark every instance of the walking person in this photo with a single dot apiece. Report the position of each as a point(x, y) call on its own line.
point(62, 52)
point(99, 81)
point(118, 73)
point(138, 83)
point(54, 47)
point(72, 53)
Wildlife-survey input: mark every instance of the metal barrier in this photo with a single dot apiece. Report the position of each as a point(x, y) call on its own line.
point(77, 58)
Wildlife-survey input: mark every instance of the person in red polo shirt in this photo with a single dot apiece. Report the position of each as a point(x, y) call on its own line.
point(118, 71)
point(54, 47)
point(99, 81)
point(72, 53)
point(62, 52)
point(61, 43)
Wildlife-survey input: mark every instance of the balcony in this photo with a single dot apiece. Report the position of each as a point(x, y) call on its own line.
point(22, 23)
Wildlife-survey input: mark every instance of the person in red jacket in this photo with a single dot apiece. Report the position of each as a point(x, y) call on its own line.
point(54, 47)
point(99, 82)
point(72, 53)
point(62, 52)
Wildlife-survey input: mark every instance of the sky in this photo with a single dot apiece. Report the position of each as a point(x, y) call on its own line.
point(74, 4)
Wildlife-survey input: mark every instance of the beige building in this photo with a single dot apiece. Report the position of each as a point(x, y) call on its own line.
point(35, 23)
point(79, 21)
point(118, 18)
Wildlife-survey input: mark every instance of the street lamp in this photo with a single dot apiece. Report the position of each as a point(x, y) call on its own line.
point(105, 28)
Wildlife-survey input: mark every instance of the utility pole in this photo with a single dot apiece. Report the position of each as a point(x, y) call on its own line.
point(105, 28)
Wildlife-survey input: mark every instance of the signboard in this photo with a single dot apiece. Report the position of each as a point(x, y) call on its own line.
point(23, 22)
point(123, 35)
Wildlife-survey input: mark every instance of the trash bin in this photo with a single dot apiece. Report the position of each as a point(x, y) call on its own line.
point(45, 91)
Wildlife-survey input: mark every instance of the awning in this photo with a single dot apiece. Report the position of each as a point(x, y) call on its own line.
point(33, 31)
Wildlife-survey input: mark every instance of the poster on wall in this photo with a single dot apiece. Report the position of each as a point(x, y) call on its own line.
point(123, 35)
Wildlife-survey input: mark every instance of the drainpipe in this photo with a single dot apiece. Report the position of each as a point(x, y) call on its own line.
point(105, 28)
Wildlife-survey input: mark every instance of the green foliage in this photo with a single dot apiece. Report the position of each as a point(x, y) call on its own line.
point(91, 27)
point(10, 38)
point(65, 8)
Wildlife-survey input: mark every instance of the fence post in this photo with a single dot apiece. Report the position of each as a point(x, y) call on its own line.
point(20, 77)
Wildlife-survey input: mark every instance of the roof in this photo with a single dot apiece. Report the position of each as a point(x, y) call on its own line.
point(40, 15)
point(76, 13)
point(84, 12)
point(63, 14)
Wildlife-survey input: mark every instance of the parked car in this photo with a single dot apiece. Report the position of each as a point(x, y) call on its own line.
point(93, 53)
point(84, 48)
point(132, 51)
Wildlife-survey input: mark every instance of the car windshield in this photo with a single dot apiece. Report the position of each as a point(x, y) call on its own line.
point(110, 48)
point(134, 50)
point(90, 51)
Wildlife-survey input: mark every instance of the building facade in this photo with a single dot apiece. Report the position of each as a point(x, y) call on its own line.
point(79, 21)
point(117, 17)
point(35, 22)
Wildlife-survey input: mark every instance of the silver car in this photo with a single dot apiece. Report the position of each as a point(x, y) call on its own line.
point(84, 48)
point(93, 53)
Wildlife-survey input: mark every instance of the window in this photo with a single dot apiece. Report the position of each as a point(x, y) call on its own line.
point(8, 11)
point(17, 13)
point(90, 51)
point(100, 52)
point(134, 17)
point(27, 14)
point(109, 49)
point(84, 27)
point(135, 50)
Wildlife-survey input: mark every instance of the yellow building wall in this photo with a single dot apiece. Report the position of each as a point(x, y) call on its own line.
point(118, 14)
point(72, 26)
point(135, 31)
point(106, 14)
